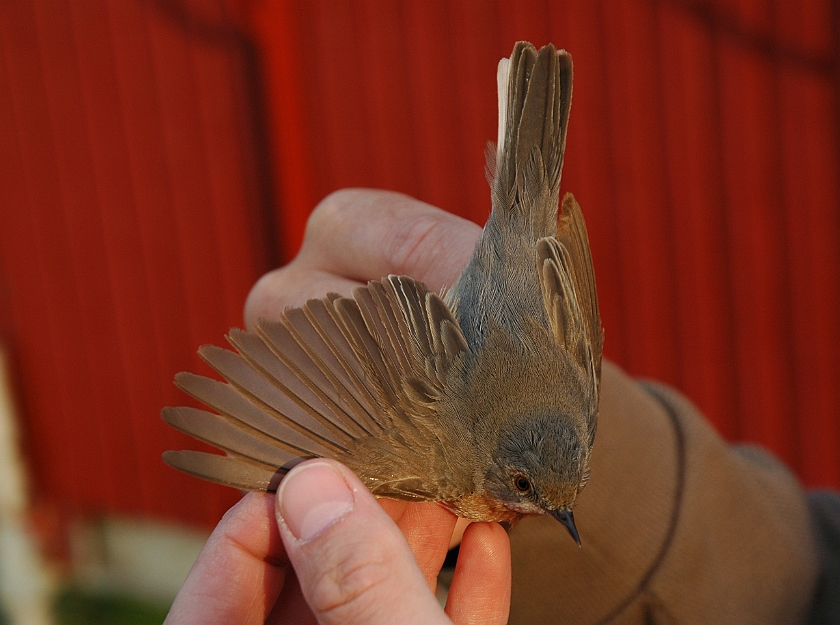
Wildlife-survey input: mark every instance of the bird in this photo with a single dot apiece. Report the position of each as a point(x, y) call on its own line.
point(483, 397)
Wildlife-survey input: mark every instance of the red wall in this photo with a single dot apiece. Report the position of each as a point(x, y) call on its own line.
point(158, 156)
point(128, 237)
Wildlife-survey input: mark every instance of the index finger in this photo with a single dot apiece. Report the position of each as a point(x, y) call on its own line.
point(357, 235)
point(238, 575)
point(366, 234)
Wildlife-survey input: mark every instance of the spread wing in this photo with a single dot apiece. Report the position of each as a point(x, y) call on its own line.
point(354, 379)
point(567, 279)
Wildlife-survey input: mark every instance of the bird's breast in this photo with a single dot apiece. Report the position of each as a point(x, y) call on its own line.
point(482, 507)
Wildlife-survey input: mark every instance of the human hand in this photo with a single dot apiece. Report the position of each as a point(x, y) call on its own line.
point(353, 236)
point(324, 551)
point(357, 235)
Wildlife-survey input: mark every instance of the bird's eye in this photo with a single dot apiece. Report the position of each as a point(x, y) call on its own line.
point(522, 483)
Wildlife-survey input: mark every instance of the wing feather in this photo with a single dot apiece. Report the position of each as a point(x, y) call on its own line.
point(230, 435)
point(571, 233)
point(346, 378)
point(228, 470)
point(567, 279)
point(280, 399)
point(349, 370)
point(287, 427)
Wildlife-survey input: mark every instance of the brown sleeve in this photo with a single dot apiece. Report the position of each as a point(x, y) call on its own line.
point(677, 526)
point(825, 508)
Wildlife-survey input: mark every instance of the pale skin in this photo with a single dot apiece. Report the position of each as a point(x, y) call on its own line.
point(323, 550)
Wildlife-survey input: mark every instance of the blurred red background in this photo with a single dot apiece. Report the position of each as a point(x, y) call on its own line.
point(158, 156)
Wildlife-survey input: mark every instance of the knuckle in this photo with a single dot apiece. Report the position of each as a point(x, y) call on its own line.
point(268, 296)
point(416, 243)
point(330, 212)
point(348, 589)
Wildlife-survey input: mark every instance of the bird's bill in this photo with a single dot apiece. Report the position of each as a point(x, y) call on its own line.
point(568, 520)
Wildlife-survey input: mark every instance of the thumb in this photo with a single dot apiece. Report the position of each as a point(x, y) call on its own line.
point(352, 562)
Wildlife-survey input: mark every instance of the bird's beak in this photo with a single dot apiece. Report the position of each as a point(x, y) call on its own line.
point(568, 520)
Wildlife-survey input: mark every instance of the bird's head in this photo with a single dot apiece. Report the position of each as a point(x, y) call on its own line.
point(540, 467)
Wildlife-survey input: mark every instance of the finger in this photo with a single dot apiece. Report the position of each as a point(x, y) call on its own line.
point(356, 235)
point(291, 286)
point(428, 528)
point(394, 507)
point(426, 531)
point(291, 607)
point(239, 573)
point(458, 532)
point(366, 234)
point(480, 590)
point(353, 564)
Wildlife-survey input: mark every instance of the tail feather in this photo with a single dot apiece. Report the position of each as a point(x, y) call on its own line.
point(535, 95)
point(499, 285)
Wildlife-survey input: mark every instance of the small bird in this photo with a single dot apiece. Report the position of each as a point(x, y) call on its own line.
point(484, 398)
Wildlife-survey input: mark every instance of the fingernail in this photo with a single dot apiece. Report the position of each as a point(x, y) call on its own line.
point(312, 498)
